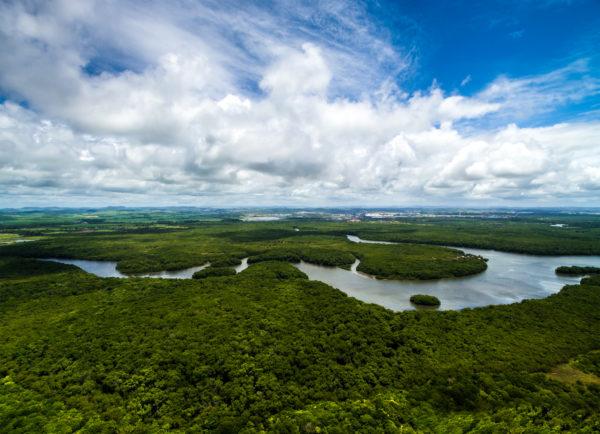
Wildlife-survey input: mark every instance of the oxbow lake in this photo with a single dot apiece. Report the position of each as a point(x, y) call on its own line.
point(509, 278)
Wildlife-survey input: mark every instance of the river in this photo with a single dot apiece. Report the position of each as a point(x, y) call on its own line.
point(109, 269)
point(509, 278)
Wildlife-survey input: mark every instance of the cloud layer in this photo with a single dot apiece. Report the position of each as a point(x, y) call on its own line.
point(201, 104)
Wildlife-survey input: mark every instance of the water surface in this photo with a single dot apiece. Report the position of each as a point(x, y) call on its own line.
point(186, 273)
point(509, 278)
point(109, 269)
point(242, 266)
point(99, 268)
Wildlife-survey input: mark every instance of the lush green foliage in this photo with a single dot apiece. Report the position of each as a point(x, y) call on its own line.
point(518, 236)
point(226, 262)
point(214, 272)
point(413, 261)
point(273, 271)
point(267, 349)
point(589, 362)
point(575, 270)
point(279, 254)
point(21, 267)
point(329, 257)
point(591, 280)
point(139, 253)
point(424, 300)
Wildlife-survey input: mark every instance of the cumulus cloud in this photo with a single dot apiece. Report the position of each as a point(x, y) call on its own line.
point(153, 106)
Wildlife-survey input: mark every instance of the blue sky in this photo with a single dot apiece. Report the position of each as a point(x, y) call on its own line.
point(330, 103)
point(464, 45)
point(485, 39)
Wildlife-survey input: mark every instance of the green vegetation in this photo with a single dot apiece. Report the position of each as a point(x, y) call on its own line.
point(8, 238)
point(424, 300)
point(269, 350)
point(589, 363)
point(569, 374)
point(328, 257)
point(525, 233)
point(574, 270)
point(141, 253)
point(273, 271)
point(514, 235)
point(226, 262)
point(413, 261)
point(213, 272)
point(21, 267)
point(585, 369)
point(591, 280)
point(63, 221)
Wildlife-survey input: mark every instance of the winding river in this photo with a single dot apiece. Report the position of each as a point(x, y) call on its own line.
point(109, 269)
point(509, 278)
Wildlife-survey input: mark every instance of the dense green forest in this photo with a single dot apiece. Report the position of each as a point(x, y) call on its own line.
point(424, 300)
point(269, 350)
point(574, 270)
point(512, 236)
point(219, 244)
point(213, 272)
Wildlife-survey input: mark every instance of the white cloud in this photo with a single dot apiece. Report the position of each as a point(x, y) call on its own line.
point(522, 97)
point(298, 73)
point(179, 127)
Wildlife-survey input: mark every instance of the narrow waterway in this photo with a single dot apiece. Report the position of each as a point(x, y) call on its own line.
point(109, 269)
point(242, 266)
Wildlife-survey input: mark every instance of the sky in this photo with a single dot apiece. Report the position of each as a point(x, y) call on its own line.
point(293, 103)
